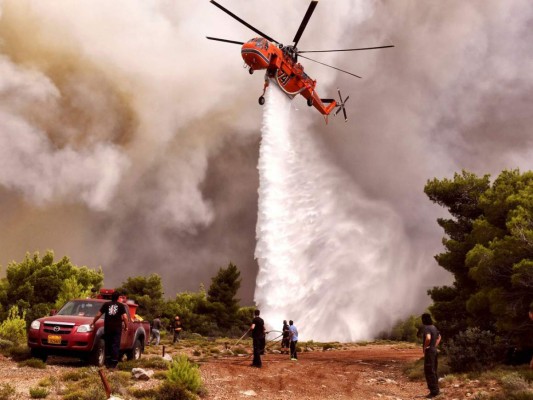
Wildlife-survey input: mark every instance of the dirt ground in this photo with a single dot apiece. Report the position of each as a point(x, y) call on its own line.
point(353, 372)
point(368, 372)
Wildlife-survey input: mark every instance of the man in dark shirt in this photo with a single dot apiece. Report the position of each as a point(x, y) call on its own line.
point(430, 340)
point(115, 315)
point(156, 331)
point(258, 337)
point(285, 340)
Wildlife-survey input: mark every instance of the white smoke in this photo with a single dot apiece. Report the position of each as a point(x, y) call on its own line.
point(328, 258)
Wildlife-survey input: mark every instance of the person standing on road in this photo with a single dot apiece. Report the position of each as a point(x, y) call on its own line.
point(285, 339)
point(293, 333)
point(430, 340)
point(258, 338)
point(115, 316)
point(177, 329)
point(156, 331)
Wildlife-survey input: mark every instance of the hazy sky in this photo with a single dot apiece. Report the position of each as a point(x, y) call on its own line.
point(128, 140)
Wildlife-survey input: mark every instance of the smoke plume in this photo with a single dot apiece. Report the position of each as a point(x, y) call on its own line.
point(128, 140)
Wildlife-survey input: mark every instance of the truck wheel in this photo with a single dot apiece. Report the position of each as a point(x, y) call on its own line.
point(310, 101)
point(97, 356)
point(40, 354)
point(135, 353)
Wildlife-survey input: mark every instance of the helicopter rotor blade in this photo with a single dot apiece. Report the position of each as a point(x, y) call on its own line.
point(244, 22)
point(224, 40)
point(330, 66)
point(306, 19)
point(330, 51)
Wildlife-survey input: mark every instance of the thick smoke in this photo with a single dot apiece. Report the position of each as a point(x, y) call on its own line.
point(130, 141)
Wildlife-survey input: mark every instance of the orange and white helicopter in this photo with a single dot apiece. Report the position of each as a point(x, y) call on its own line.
point(282, 66)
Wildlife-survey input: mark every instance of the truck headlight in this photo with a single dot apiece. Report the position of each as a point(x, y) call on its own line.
point(35, 325)
point(85, 328)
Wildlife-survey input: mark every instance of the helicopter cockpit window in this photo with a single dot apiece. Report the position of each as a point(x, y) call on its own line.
point(261, 43)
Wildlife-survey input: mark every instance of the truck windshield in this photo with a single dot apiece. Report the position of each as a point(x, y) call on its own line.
point(80, 308)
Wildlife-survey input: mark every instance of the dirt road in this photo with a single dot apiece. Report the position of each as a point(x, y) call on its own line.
point(366, 373)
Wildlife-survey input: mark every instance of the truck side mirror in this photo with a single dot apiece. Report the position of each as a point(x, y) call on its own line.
point(53, 312)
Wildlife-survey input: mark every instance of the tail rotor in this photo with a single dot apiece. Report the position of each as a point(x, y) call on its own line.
point(341, 104)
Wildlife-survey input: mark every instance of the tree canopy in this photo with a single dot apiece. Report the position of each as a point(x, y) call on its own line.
point(222, 295)
point(147, 292)
point(489, 251)
point(36, 285)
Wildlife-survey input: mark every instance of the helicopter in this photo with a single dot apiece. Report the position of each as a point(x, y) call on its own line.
point(282, 66)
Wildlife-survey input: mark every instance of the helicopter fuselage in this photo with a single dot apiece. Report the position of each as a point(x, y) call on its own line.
point(282, 67)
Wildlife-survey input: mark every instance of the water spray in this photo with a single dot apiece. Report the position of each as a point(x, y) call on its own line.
point(324, 251)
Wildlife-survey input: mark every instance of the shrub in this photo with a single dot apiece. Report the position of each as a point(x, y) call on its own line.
point(19, 353)
point(174, 391)
point(75, 376)
point(46, 382)
point(90, 393)
point(33, 363)
point(14, 327)
point(182, 372)
point(7, 391)
point(240, 350)
point(513, 382)
point(472, 350)
point(38, 392)
point(415, 370)
point(404, 330)
point(5, 344)
point(152, 393)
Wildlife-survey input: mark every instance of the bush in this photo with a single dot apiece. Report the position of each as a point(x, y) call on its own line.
point(7, 391)
point(5, 344)
point(182, 372)
point(472, 350)
point(174, 391)
point(38, 393)
point(33, 363)
point(513, 382)
point(404, 330)
point(152, 393)
point(77, 375)
point(19, 353)
point(14, 327)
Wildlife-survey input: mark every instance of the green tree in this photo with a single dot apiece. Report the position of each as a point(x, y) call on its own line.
point(222, 296)
point(193, 309)
point(147, 292)
point(461, 197)
point(489, 251)
point(35, 284)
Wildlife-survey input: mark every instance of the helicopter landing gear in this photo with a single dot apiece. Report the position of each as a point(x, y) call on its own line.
point(262, 98)
point(310, 101)
point(250, 71)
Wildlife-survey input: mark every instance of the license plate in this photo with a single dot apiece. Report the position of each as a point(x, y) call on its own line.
point(54, 339)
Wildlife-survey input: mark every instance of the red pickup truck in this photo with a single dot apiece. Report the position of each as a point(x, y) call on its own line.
point(68, 332)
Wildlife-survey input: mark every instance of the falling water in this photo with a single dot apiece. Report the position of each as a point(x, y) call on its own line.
point(324, 252)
